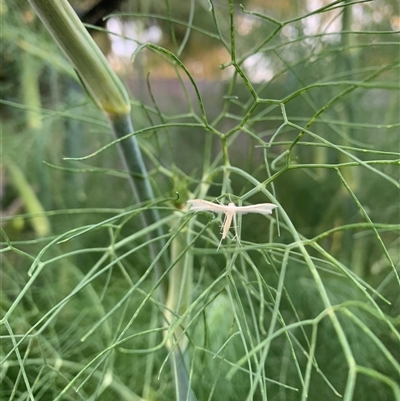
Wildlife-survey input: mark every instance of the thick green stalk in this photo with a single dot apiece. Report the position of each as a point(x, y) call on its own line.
point(178, 302)
point(140, 184)
point(101, 82)
point(104, 87)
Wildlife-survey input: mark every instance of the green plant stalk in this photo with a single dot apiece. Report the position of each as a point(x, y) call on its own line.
point(178, 301)
point(140, 184)
point(179, 297)
point(98, 78)
point(103, 85)
point(179, 290)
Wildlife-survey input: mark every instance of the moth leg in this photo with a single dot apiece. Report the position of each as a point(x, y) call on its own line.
point(223, 224)
point(235, 227)
point(222, 230)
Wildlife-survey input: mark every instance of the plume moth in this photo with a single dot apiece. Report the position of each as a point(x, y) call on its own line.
point(230, 211)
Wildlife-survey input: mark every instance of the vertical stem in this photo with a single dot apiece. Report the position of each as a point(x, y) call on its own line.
point(178, 301)
point(140, 184)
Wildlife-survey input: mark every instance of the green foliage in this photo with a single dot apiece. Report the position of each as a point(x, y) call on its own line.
point(303, 112)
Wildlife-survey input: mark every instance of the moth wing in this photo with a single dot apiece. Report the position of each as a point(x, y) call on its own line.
point(199, 205)
point(263, 208)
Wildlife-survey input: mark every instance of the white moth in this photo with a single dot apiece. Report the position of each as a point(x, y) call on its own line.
point(200, 205)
